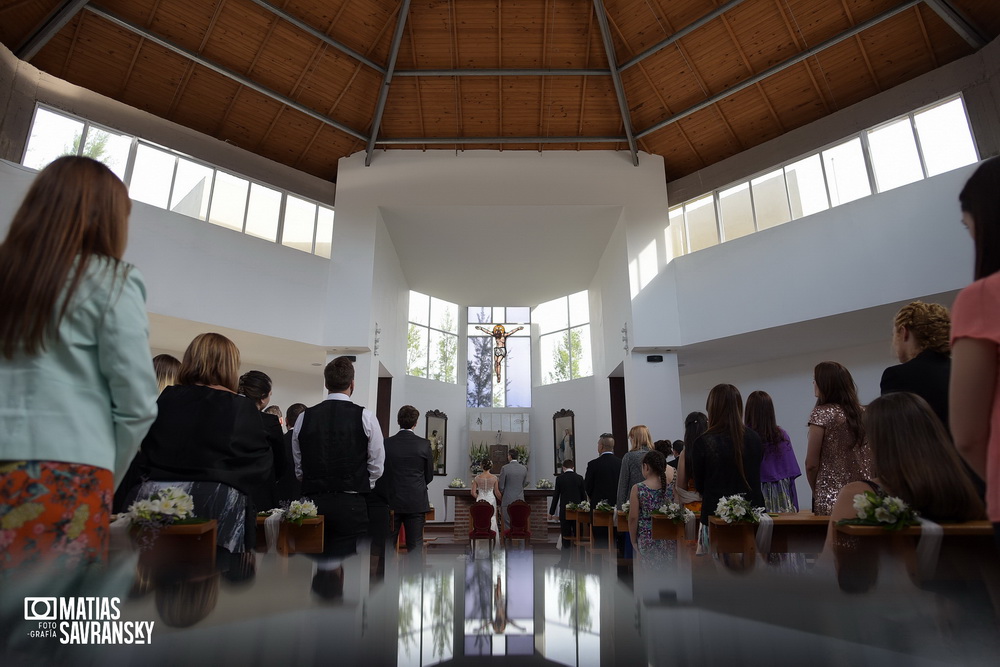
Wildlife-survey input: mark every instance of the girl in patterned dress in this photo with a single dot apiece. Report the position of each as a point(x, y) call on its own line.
point(656, 489)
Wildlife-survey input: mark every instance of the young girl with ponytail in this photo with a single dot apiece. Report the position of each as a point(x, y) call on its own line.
point(656, 489)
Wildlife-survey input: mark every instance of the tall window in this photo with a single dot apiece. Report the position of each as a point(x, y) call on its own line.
point(432, 338)
point(514, 388)
point(564, 340)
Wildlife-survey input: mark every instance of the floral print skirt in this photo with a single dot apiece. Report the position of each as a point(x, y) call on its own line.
point(54, 514)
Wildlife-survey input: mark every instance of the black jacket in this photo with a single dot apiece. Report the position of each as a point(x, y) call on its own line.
point(569, 489)
point(925, 375)
point(409, 468)
point(602, 478)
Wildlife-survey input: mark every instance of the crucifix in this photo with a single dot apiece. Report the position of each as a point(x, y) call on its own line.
point(500, 336)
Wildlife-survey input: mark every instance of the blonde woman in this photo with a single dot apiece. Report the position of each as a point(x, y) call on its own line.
point(640, 442)
point(920, 340)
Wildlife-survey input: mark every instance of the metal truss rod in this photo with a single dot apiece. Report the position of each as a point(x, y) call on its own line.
point(383, 92)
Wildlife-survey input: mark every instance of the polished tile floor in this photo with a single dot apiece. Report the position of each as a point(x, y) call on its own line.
point(519, 607)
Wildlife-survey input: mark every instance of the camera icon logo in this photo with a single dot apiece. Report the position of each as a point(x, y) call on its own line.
point(40, 609)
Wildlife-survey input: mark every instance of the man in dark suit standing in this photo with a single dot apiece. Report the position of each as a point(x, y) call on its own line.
point(512, 482)
point(409, 468)
point(601, 481)
point(338, 454)
point(569, 489)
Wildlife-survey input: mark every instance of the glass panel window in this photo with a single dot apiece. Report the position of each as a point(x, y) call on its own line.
point(675, 232)
point(737, 211)
point(514, 387)
point(444, 315)
point(192, 184)
point(702, 231)
point(420, 307)
point(324, 232)
point(229, 201)
point(109, 148)
point(894, 155)
point(443, 352)
point(806, 187)
point(517, 373)
point(579, 308)
point(551, 315)
point(479, 367)
point(263, 212)
point(770, 201)
point(416, 351)
point(846, 173)
point(945, 137)
point(300, 223)
point(52, 135)
point(519, 315)
point(151, 176)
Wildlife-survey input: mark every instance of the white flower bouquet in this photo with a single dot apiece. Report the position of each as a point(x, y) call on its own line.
point(626, 506)
point(457, 483)
point(166, 507)
point(583, 507)
point(675, 512)
point(604, 506)
point(736, 509)
point(543, 483)
point(888, 512)
point(295, 511)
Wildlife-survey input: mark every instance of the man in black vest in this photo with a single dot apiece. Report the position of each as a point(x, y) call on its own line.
point(338, 454)
point(409, 468)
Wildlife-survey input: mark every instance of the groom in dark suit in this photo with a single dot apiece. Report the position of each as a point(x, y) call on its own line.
point(409, 468)
point(569, 489)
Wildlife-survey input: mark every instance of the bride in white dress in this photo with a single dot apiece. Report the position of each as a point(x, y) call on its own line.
point(484, 487)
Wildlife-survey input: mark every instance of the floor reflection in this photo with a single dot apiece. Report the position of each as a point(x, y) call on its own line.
point(523, 607)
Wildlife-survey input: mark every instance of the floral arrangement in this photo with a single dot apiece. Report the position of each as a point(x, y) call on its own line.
point(295, 512)
point(736, 508)
point(522, 453)
point(604, 506)
point(583, 507)
point(543, 483)
point(457, 483)
point(166, 507)
point(476, 455)
point(626, 506)
point(675, 512)
point(887, 511)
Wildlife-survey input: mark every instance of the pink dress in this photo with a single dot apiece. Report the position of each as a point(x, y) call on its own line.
point(976, 314)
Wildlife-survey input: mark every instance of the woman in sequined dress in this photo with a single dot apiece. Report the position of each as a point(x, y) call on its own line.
point(656, 489)
point(838, 452)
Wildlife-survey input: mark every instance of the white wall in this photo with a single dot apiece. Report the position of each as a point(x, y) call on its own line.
point(789, 382)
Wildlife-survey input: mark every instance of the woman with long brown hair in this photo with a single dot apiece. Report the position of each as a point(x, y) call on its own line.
point(778, 467)
point(77, 382)
point(838, 451)
point(695, 424)
point(726, 458)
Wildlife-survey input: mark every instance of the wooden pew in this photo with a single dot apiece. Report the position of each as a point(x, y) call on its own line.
point(292, 539)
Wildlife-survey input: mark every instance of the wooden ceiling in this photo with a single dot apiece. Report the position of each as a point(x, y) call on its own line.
point(301, 81)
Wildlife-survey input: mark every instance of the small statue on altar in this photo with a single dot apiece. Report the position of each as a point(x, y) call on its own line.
point(500, 336)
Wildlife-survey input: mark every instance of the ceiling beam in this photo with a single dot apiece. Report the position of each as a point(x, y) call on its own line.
point(383, 92)
point(437, 141)
point(616, 79)
point(959, 22)
point(224, 71)
point(48, 28)
point(794, 60)
point(504, 72)
point(683, 32)
point(302, 25)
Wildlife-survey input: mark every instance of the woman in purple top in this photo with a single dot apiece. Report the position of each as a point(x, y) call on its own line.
point(778, 467)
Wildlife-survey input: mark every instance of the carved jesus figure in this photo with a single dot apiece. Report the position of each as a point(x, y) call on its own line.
point(500, 336)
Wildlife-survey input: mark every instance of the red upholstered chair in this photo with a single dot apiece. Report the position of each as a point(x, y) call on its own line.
point(480, 515)
point(519, 513)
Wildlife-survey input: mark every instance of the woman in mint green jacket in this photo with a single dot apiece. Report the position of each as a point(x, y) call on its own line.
point(77, 389)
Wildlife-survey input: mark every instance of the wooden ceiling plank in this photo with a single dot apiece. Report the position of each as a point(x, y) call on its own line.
point(604, 22)
point(541, 82)
point(663, 101)
point(347, 86)
point(927, 39)
point(500, 63)
point(861, 47)
point(583, 86)
point(454, 63)
point(746, 64)
point(416, 82)
point(801, 46)
point(189, 71)
point(72, 45)
point(959, 22)
point(55, 21)
point(383, 93)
